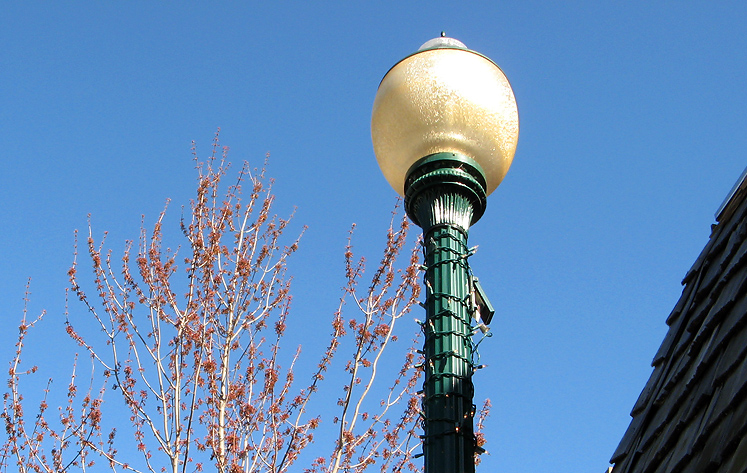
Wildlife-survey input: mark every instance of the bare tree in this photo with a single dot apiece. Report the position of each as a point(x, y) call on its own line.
point(364, 438)
point(196, 353)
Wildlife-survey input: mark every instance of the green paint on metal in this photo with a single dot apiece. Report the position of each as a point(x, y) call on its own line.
point(448, 390)
point(445, 194)
point(445, 175)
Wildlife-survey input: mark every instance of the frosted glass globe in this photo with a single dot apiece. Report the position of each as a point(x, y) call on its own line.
point(444, 98)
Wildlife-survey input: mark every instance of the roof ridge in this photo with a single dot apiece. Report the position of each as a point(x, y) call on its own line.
point(740, 187)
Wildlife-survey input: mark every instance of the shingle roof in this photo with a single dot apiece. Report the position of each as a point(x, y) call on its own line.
point(691, 416)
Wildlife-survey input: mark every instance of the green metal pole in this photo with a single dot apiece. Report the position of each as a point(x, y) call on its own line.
point(445, 194)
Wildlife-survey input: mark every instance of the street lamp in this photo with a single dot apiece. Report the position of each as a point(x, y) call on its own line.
point(444, 129)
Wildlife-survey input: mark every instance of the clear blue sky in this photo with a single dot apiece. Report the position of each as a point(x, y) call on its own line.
point(632, 133)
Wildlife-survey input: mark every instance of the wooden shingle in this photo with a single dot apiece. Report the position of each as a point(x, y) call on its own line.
point(692, 414)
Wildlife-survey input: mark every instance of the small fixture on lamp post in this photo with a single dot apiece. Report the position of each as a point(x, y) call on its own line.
point(444, 129)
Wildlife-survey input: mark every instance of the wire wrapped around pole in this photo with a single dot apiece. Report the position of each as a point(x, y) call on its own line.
point(445, 194)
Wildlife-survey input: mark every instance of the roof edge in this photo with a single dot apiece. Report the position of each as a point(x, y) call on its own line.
point(736, 192)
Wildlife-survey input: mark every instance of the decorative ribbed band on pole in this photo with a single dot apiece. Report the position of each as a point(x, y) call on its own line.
point(445, 194)
point(445, 188)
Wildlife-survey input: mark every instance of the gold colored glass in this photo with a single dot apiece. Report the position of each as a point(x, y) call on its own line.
point(448, 99)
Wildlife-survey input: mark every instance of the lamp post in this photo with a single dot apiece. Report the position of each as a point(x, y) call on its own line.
point(444, 129)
